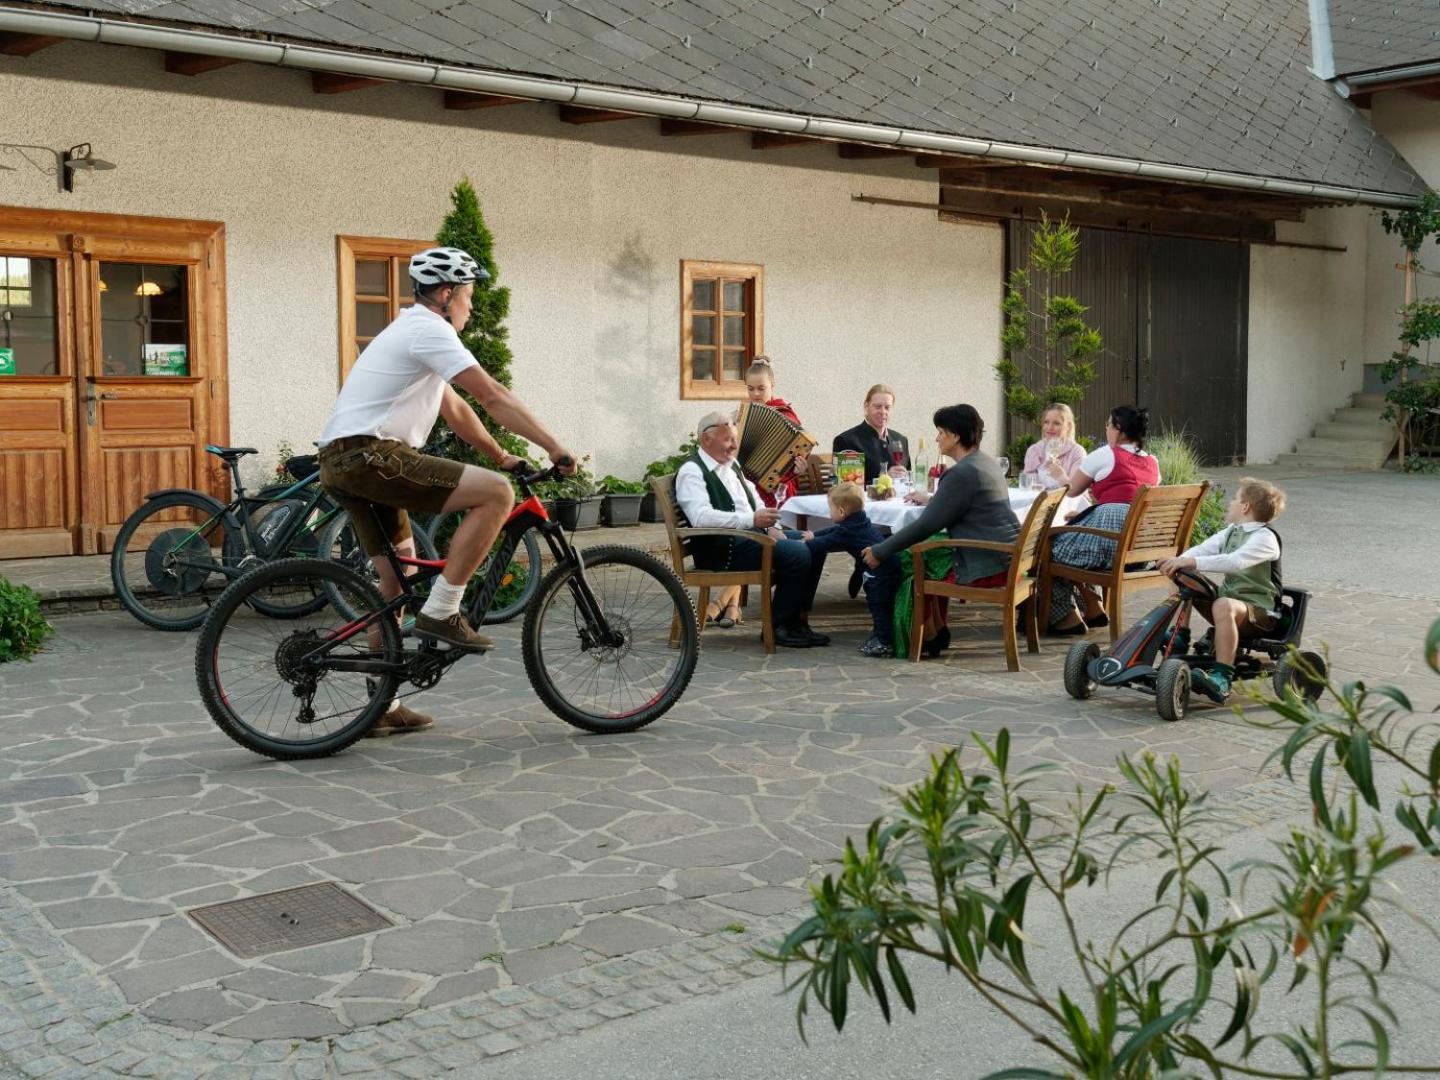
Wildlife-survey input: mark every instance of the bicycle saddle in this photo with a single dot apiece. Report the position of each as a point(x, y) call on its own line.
point(230, 453)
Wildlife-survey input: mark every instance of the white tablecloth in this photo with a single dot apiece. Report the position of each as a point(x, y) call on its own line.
point(893, 513)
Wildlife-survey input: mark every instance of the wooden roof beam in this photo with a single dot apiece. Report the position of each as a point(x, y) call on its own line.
point(1149, 198)
point(192, 64)
point(578, 114)
point(951, 161)
point(774, 140)
point(25, 44)
point(325, 82)
point(863, 151)
point(460, 99)
point(692, 127)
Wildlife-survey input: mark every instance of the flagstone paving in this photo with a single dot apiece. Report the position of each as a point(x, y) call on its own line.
point(540, 881)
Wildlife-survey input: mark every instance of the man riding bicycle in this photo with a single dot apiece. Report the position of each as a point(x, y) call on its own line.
point(369, 457)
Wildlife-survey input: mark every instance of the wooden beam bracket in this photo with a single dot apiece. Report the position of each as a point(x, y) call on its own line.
point(864, 151)
point(326, 82)
point(462, 99)
point(692, 127)
point(774, 140)
point(578, 114)
point(25, 44)
point(179, 63)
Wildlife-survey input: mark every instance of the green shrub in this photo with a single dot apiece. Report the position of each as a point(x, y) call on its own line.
point(613, 485)
point(1179, 463)
point(667, 465)
point(22, 627)
point(1016, 448)
point(581, 485)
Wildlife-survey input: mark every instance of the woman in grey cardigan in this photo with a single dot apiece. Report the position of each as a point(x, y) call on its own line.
point(970, 503)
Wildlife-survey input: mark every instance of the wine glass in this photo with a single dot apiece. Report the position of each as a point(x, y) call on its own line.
point(1052, 449)
point(1004, 463)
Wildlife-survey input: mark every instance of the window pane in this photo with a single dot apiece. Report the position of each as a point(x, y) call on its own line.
point(734, 364)
point(372, 278)
point(704, 329)
point(28, 320)
point(144, 319)
point(735, 330)
point(370, 318)
point(704, 296)
point(702, 365)
point(734, 296)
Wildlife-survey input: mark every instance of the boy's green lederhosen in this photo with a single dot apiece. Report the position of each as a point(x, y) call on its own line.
point(376, 480)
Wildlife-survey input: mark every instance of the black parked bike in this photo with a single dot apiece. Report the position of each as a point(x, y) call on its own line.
point(181, 548)
point(609, 643)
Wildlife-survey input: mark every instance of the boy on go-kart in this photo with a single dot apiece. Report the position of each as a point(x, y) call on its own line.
point(1247, 552)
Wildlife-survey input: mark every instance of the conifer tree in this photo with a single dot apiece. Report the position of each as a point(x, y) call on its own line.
point(485, 334)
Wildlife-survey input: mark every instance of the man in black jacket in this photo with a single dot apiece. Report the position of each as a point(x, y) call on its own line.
point(875, 439)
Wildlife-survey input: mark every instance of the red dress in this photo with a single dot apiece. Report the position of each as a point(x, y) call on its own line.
point(789, 482)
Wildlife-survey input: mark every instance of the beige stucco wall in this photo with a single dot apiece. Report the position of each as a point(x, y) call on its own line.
point(590, 222)
point(1307, 316)
point(1412, 124)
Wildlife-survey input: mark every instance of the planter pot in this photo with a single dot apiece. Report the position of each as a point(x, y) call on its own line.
point(650, 509)
point(621, 509)
point(575, 514)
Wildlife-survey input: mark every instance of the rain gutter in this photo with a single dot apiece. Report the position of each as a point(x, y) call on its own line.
point(449, 77)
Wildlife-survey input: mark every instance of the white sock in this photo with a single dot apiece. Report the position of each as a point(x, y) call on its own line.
point(444, 599)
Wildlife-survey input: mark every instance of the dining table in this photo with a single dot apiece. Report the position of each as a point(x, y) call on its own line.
point(813, 511)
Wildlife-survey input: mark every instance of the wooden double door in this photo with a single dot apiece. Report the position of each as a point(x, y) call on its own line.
point(112, 371)
point(1173, 314)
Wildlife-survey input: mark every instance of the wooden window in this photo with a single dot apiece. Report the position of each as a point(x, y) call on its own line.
point(722, 322)
point(144, 319)
point(29, 317)
point(374, 284)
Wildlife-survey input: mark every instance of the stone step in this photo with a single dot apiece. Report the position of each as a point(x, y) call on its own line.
point(1368, 401)
point(1377, 431)
point(1361, 416)
point(1321, 464)
point(1350, 453)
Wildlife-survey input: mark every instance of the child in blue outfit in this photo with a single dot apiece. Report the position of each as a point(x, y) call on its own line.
point(853, 532)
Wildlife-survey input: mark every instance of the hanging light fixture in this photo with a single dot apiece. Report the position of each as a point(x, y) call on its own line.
point(148, 288)
point(103, 286)
point(79, 156)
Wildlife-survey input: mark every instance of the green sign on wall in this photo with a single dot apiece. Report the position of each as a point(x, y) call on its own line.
point(7, 361)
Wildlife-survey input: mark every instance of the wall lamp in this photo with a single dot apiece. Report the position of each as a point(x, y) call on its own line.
point(61, 164)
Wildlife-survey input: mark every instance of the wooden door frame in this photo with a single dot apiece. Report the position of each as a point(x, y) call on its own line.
point(76, 240)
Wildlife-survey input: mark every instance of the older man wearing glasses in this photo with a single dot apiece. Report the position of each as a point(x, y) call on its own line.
point(713, 493)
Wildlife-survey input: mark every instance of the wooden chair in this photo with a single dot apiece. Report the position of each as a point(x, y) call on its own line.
point(1157, 527)
point(1019, 585)
point(705, 580)
point(819, 478)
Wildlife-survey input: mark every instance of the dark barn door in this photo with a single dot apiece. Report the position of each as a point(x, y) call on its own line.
point(1172, 314)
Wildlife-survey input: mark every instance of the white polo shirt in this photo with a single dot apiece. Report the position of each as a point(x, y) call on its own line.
point(395, 388)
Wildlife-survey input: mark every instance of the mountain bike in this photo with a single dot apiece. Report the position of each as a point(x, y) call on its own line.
point(179, 550)
point(610, 643)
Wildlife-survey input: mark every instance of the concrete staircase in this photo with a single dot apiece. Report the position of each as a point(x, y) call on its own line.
point(1355, 438)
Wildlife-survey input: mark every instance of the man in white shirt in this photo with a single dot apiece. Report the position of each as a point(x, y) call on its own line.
point(713, 493)
point(369, 458)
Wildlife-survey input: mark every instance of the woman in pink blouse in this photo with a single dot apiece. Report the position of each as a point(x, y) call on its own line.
point(1057, 453)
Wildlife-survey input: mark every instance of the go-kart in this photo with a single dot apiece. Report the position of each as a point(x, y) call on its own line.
point(1154, 655)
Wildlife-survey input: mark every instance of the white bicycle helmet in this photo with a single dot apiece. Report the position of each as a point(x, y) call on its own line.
point(445, 266)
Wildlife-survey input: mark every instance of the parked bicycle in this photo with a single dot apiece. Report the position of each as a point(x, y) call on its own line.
point(610, 643)
point(181, 548)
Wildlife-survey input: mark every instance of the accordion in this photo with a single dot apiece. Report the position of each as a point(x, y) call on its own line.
point(769, 442)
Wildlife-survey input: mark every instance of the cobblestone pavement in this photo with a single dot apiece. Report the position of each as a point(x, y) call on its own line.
point(540, 881)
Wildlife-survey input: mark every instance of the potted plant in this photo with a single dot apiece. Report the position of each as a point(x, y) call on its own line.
point(666, 466)
point(572, 500)
point(622, 500)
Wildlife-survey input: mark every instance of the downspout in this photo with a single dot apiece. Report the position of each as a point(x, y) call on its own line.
point(311, 58)
point(1322, 48)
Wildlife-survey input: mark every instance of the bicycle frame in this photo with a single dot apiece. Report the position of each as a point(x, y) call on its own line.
point(411, 571)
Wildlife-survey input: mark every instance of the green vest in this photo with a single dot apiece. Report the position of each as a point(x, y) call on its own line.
point(1258, 584)
point(711, 549)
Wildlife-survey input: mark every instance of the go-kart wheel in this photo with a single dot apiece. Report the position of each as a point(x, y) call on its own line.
point(1172, 690)
point(1306, 677)
point(1078, 683)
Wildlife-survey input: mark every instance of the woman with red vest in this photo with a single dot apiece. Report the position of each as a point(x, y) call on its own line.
point(1111, 474)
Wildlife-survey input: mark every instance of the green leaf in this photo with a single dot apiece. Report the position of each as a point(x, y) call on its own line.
point(1141, 1040)
point(1025, 1074)
point(1360, 767)
point(1432, 647)
point(1318, 802)
point(900, 979)
point(1247, 996)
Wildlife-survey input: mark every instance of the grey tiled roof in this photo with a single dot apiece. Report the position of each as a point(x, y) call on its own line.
point(1371, 35)
point(1217, 84)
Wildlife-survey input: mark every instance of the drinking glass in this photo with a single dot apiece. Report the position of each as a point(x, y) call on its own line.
point(1004, 463)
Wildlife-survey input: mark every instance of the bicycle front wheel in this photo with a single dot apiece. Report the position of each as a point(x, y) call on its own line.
point(517, 588)
point(635, 675)
point(168, 560)
point(303, 688)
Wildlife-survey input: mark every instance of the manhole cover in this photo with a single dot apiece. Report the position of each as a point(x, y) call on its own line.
point(289, 919)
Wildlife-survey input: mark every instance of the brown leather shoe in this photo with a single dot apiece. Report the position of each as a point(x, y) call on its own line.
point(453, 631)
point(399, 720)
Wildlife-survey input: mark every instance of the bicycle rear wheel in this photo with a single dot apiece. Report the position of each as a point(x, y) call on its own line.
point(263, 682)
point(168, 556)
point(522, 576)
point(624, 683)
point(340, 545)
